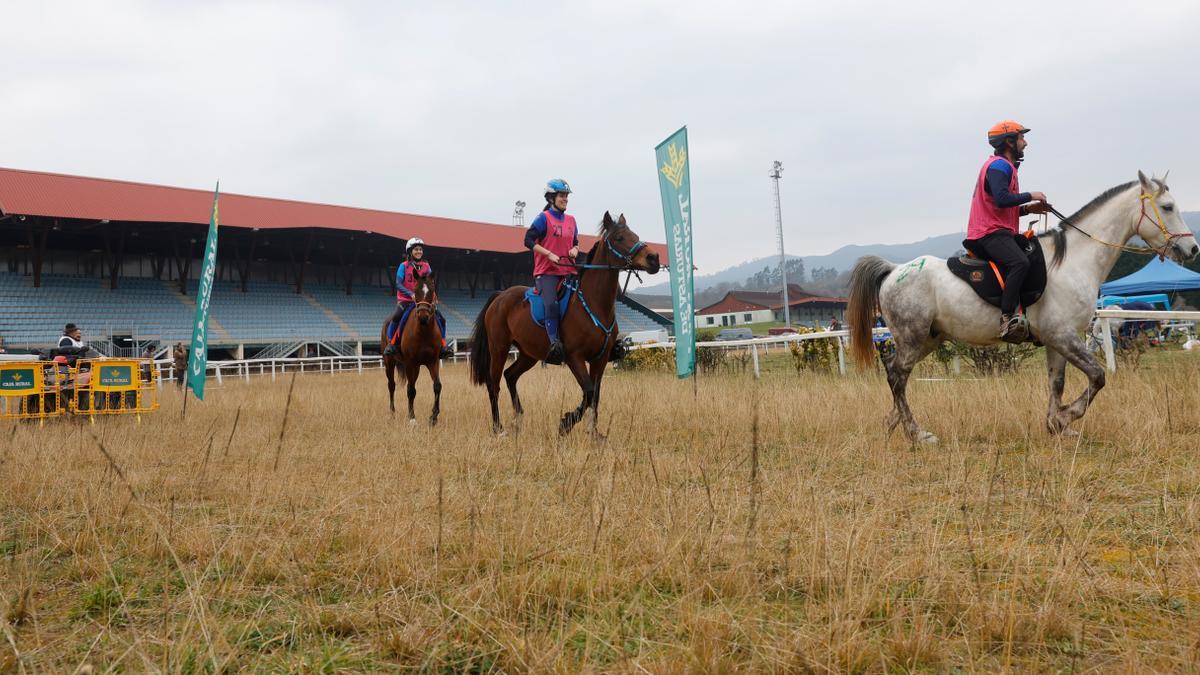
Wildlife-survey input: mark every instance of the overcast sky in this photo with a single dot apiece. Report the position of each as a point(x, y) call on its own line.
point(878, 111)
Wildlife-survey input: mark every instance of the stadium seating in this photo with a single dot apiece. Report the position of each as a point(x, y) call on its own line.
point(268, 312)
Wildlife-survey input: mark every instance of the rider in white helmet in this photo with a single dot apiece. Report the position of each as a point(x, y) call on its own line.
point(414, 265)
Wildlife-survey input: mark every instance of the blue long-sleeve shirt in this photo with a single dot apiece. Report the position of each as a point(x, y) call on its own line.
point(537, 229)
point(999, 174)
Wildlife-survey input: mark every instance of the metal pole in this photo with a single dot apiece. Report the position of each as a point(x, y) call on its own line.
point(776, 173)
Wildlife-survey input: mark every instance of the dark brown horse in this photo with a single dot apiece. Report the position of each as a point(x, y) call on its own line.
point(588, 329)
point(420, 345)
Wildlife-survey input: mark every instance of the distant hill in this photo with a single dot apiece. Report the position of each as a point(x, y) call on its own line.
point(843, 258)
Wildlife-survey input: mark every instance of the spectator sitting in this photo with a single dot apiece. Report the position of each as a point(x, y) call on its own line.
point(71, 343)
point(834, 324)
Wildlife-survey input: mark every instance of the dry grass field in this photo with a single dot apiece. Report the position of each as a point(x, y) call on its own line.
point(765, 526)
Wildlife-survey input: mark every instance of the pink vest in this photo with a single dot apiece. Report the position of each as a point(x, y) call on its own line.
point(560, 237)
point(986, 217)
point(410, 280)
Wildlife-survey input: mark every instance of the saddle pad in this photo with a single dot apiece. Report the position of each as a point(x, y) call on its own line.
point(403, 321)
point(980, 276)
point(538, 310)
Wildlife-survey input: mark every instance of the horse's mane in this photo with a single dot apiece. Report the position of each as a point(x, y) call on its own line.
point(601, 231)
point(1058, 235)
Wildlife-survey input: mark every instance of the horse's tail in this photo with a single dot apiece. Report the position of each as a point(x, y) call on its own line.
point(481, 352)
point(865, 279)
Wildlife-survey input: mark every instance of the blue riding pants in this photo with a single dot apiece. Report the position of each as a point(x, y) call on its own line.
point(547, 287)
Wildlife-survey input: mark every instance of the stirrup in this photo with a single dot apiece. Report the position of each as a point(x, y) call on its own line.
point(556, 354)
point(1015, 330)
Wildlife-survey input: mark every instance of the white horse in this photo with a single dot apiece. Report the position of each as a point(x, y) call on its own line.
point(924, 303)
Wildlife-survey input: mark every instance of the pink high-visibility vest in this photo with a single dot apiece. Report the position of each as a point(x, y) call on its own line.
point(986, 217)
point(560, 237)
point(409, 283)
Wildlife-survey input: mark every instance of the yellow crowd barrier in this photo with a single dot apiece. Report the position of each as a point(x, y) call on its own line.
point(32, 390)
point(113, 387)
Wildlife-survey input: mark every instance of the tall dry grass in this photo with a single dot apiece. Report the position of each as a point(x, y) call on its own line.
point(678, 544)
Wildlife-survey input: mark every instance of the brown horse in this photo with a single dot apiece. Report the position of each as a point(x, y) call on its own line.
point(588, 328)
point(420, 345)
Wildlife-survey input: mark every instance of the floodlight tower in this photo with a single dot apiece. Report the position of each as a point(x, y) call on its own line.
point(519, 214)
point(776, 174)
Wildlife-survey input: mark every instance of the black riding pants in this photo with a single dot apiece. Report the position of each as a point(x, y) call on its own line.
point(1003, 249)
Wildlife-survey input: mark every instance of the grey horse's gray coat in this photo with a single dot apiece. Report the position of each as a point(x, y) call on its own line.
point(923, 303)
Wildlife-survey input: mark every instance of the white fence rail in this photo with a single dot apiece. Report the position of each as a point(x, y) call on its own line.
point(765, 343)
point(244, 368)
point(1106, 317)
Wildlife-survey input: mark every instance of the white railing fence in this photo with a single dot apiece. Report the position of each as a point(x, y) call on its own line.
point(766, 343)
point(1105, 318)
point(274, 367)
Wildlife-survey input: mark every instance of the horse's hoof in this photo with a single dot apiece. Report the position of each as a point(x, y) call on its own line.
point(433, 421)
point(501, 433)
point(412, 422)
point(927, 438)
point(1057, 427)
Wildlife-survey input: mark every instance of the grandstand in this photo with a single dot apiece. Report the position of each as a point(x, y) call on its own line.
point(121, 260)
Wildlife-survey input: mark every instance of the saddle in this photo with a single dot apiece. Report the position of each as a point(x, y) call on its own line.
point(399, 326)
point(566, 289)
point(986, 277)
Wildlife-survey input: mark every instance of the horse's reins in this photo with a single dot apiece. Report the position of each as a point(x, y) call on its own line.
point(1152, 198)
point(627, 259)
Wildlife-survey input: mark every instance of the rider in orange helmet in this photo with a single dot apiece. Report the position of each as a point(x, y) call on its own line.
point(996, 208)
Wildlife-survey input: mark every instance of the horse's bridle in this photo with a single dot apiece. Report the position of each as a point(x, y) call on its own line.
point(625, 258)
point(1152, 198)
point(431, 306)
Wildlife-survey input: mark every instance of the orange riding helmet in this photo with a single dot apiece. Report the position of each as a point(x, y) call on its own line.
point(1002, 131)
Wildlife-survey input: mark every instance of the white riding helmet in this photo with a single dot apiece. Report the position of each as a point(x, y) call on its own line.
point(415, 241)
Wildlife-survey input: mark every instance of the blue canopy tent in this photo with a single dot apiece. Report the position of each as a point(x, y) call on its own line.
point(1158, 276)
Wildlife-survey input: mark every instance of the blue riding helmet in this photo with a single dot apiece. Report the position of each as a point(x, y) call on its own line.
point(556, 185)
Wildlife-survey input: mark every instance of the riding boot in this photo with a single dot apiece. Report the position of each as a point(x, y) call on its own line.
point(1014, 328)
point(557, 353)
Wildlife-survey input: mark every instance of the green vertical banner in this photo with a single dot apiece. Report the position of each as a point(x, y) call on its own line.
point(675, 183)
point(198, 360)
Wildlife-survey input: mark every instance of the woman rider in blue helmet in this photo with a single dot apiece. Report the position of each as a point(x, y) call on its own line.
point(554, 240)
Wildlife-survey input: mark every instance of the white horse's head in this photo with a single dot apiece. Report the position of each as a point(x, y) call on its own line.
point(1159, 222)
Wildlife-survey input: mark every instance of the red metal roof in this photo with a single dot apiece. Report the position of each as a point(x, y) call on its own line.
point(813, 299)
point(741, 301)
point(729, 304)
point(35, 193)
